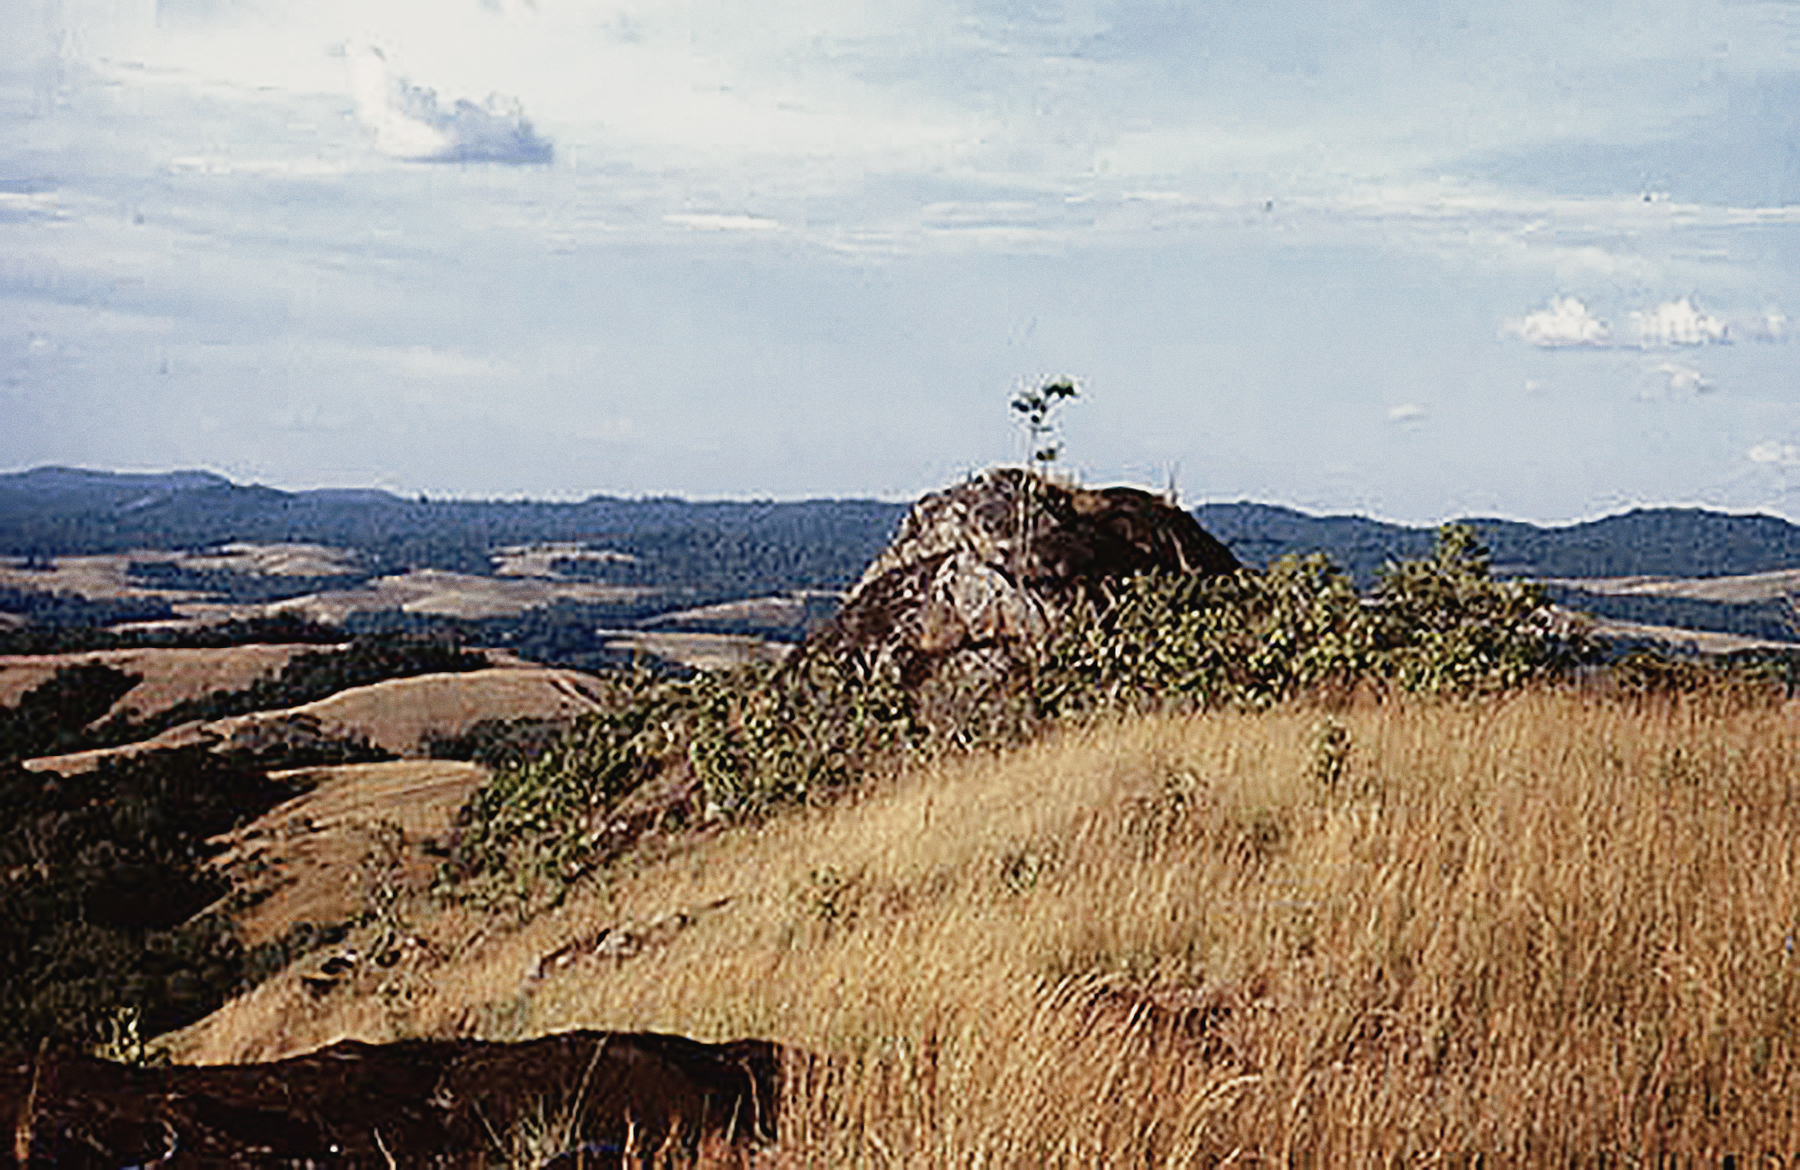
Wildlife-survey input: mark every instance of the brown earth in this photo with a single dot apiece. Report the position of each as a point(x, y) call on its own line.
point(1694, 641)
point(778, 612)
point(277, 560)
point(449, 1103)
point(361, 832)
point(170, 676)
point(95, 577)
point(540, 560)
point(525, 582)
point(399, 715)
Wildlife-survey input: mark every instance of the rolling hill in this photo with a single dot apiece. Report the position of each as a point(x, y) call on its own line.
point(676, 556)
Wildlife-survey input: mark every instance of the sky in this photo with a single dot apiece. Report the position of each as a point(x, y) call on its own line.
point(1415, 259)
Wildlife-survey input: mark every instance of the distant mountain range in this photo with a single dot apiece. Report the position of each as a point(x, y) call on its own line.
point(1648, 542)
point(737, 548)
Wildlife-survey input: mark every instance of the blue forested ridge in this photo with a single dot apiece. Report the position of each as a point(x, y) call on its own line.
point(721, 549)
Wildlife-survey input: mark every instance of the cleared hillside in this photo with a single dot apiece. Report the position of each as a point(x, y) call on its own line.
point(169, 676)
point(1552, 926)
point(399, 716)
point(359, 831)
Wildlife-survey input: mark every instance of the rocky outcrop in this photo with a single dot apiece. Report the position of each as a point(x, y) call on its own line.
point(414, 1103)
point(981, 572)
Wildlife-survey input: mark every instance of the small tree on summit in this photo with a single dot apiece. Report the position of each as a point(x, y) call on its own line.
point(1036, 409)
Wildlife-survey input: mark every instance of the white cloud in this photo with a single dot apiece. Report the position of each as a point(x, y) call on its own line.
point(408, 123)
point(1684, 379)
point(1566, 322)
point(1779, 454)
point(1406, 412)
point(722, 223)
point(1679, 323)
point(27, 206)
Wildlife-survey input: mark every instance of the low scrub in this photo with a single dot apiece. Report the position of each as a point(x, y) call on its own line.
point(760, 739)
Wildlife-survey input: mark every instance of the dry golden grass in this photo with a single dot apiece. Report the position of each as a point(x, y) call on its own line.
point(1551, 926)
point(298, 857)
point(170, 676)
point(398, 715)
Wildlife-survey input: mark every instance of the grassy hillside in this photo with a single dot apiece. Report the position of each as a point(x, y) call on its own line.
point(1559, 925)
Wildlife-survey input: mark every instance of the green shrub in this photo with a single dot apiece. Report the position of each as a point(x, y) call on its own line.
point(1445, 626)
point(750, 739)
point(1439, 625)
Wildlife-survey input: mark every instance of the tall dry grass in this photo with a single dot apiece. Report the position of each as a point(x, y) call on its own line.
point(1550, 925)
point(1546, 927)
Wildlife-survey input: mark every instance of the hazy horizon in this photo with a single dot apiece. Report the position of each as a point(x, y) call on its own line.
point(1186, 500)
point(1400, 259)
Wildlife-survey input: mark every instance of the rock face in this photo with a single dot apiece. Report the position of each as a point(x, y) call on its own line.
point(981, 572)
point(444, 1103)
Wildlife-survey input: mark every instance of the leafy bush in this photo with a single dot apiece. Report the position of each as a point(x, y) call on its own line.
point(1248, 638)
point(750, 739)
point(498, 743)
point(1445, 626)
point(1439, 625)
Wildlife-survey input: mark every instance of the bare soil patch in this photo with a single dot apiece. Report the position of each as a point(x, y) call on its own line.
point(458, 595)
point(94, 577)
point(1746, 588)
point(700, 651)
point(541, 560)
point(1694, 641)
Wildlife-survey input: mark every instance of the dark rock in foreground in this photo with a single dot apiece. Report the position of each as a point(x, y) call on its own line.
point(412, 1103)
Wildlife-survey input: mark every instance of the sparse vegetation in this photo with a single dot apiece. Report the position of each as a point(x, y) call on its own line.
point(756, 740)
point(1439, 625)
point(1254, 867)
